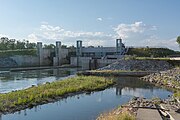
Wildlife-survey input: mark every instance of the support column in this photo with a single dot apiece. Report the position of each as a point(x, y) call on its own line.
point(78, 51)
point(118, 46)
point(58, 53)
point(40, 53)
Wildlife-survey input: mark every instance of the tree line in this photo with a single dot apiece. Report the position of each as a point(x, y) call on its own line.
point(13, 44)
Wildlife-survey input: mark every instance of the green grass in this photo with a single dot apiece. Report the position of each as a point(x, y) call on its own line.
point(7, 53)
point(146, 58)
point(177, 94)
point(39, 94)
point(148, 52)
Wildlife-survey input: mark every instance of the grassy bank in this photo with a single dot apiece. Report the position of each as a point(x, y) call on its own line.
point(18, 100)
point(148, 52)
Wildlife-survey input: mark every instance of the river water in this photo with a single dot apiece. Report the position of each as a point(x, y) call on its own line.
point(83, 106)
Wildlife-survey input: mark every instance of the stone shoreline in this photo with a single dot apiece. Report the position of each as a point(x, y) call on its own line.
point(142, 103)
point(168, 79)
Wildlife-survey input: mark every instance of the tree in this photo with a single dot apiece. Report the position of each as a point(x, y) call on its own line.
point(178, 40)
point(20, 45)
point(50, 46)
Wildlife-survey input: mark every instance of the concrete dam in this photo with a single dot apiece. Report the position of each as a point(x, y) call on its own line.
point(86, 57)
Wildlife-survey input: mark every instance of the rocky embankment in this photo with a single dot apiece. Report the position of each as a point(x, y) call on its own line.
point(136, 103)
point(169, 78)
point(139, 65)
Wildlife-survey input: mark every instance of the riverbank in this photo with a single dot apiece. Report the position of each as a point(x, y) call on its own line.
point(50, 92)
point(169, 79)
point(141, 108)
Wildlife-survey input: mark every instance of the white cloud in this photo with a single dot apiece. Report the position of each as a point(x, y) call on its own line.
point(157, 42)
point(3, 35)
point(99, 19)
point(49, 34)
point(135, 34)
point(33, 38)
point(126, 30)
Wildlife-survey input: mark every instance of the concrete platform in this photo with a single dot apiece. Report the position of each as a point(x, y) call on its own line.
point(148, 114)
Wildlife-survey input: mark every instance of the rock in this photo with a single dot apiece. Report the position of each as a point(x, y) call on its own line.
point(169, 78)
point(138, 65)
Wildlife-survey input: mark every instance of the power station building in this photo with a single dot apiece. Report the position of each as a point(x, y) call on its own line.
point(99, 52)
point(95, 57)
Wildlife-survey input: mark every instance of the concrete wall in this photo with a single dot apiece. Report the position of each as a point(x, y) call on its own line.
point(46, 60)
point(26, 60)
point(83, 62)
point(63, 53)
point(89, 63)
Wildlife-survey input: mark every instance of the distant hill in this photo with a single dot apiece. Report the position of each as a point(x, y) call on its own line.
point(155, 52)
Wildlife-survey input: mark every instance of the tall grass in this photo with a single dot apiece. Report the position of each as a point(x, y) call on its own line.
point(43, 93)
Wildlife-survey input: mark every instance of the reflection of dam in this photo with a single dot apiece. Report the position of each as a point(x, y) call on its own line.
point(132, 86)
point(10, 81)
point(38, 74)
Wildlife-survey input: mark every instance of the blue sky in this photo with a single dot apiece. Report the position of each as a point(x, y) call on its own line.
point(95, 22)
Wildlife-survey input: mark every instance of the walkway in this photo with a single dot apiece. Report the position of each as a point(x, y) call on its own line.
point(148, 114)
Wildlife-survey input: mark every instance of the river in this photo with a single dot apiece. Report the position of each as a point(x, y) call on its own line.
point(79, 107)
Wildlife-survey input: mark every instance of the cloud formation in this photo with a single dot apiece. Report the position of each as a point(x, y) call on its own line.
point(99, 19)
point(49, 34)
point(3, 35)
point(126, 30)
point(135, 34)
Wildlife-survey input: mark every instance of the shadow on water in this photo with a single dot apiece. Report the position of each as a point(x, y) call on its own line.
point(88, 107)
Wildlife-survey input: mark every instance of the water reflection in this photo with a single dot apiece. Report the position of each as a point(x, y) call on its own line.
point(87, 107)
point(10, 81)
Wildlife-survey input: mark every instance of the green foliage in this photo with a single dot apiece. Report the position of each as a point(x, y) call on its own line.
point(178, 40)
point(12, 44)
point(5, 53)
point(42, 93)
point(50, 46)
point(151, 52)
point(133, 57)
point(177, 94)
